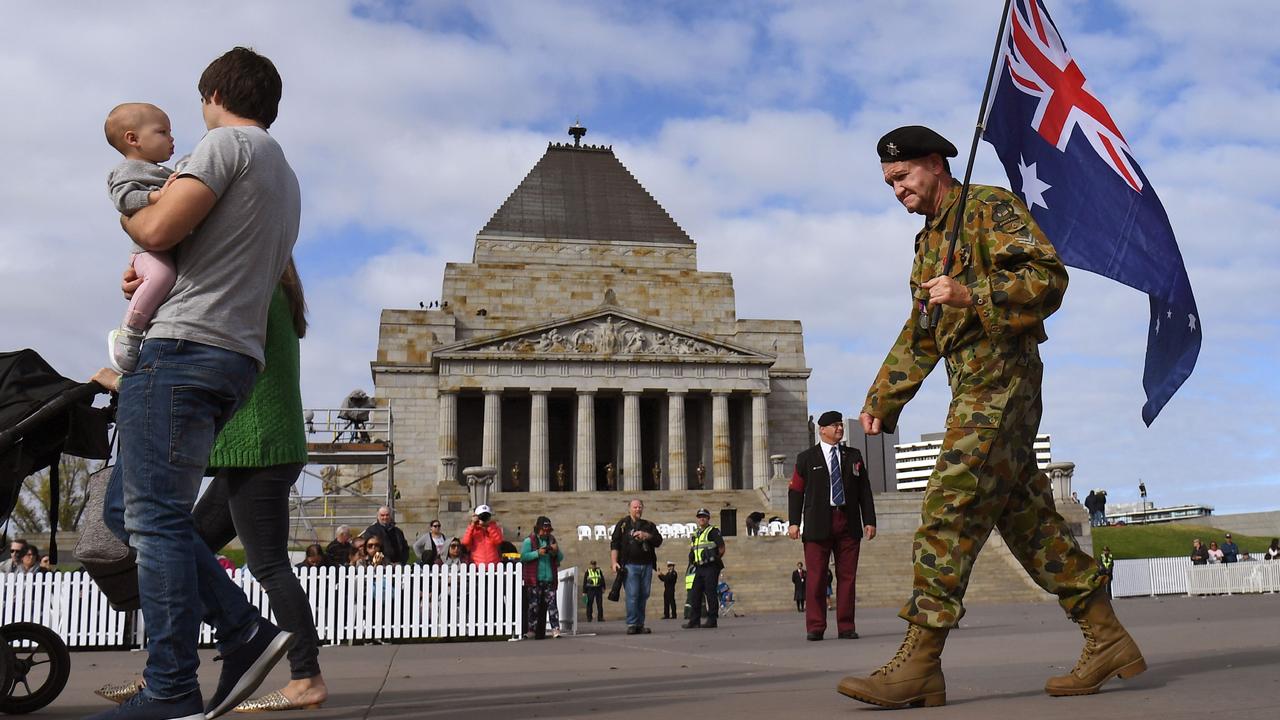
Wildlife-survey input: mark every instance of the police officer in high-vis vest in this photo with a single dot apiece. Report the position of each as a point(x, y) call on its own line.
point(593, 588)
point(706, 549)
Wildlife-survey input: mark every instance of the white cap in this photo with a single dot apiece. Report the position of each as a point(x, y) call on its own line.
point(483, 509)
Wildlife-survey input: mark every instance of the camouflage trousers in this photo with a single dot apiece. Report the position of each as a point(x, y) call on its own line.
point(985, 478)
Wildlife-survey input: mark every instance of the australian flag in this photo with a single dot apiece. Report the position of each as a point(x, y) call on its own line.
point(1075, 172)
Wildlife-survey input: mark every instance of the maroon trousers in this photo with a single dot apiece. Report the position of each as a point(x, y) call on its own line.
point(844, 543)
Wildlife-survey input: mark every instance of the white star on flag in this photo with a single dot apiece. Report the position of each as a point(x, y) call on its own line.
point(1032, 187)
point(1191, 320)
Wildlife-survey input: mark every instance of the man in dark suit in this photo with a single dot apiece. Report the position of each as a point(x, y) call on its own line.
point(831, 492)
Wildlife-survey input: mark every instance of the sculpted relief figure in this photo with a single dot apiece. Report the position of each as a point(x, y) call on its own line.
point(658, 343)
point(581, 340)
point(606, 336)
point(549, 340)
point(634, 341)
point(609, 336)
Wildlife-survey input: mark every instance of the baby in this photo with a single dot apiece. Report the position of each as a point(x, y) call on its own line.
point(140, 131)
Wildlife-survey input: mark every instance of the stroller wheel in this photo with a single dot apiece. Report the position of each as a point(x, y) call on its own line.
point(37, 666)
point(6, 669)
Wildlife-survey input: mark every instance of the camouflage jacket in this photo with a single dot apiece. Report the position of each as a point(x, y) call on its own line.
point(1016, 280)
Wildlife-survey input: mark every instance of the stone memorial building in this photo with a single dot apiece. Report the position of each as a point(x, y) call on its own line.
point(582, 350)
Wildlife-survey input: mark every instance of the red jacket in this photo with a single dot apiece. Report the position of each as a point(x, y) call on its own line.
point(483, 542)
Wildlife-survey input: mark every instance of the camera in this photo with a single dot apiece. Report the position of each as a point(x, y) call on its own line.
point(484, 517)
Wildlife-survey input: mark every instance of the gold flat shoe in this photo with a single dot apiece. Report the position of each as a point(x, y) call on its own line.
point(272, 702)
point(119, 692)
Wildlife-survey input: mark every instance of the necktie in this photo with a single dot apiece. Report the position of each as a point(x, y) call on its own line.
point(837, 487)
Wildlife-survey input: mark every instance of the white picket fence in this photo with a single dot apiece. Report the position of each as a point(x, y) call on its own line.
point(1177, 576)
point(409, 602)
point(68, 603)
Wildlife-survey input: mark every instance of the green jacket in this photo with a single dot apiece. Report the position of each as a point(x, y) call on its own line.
point(1016, 280)
point(546, 567)
point(267, 430)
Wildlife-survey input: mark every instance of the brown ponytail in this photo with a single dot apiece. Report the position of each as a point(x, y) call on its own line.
point(292, 285)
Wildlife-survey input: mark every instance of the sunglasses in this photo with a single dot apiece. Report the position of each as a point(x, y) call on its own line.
point(372, 545)
point(435, 525)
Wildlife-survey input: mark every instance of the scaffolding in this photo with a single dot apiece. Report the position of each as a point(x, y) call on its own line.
point(350, 471)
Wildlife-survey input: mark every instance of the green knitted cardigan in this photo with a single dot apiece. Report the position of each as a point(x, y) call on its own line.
point(267, 430)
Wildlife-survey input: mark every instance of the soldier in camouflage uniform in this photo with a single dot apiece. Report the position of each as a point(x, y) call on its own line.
point(1005, 279)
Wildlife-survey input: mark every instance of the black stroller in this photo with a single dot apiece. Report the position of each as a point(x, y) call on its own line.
point(42, 415)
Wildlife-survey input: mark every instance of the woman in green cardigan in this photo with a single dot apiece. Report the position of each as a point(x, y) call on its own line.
point(256, 460)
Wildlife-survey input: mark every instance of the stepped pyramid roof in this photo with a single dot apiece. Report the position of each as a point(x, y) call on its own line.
point(583, 192)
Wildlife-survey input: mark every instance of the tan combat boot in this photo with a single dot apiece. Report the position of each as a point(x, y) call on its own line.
point(912, 677)
point(1108, 652)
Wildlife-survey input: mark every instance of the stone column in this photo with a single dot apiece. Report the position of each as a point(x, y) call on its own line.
point(760, 439)
point(677, 465)
point(721, 458)
point(491, 452)
point(584, 470)
point(632, 477)
point(447, 435)
point(539, 462)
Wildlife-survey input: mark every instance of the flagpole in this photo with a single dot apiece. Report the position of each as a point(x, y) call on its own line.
point(973, 150)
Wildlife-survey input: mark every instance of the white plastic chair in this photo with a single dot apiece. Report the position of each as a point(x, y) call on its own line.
point(777, 528)
point(602, 532)
point(665, 531)
point(690, 529)
point(584, 532)
point(764, 530)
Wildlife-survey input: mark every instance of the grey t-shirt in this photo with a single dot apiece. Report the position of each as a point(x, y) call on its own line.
point(229, 266)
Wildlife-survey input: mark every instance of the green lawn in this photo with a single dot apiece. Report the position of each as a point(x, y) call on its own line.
point(1167, 540)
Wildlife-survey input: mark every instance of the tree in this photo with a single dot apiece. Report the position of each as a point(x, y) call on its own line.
point(31, 513)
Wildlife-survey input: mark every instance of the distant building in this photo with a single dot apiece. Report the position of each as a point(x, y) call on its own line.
point(1142, 513)
point(914, 462)
point(877, 450)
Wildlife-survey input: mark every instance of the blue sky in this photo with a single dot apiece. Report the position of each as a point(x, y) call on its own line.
point(752, 123)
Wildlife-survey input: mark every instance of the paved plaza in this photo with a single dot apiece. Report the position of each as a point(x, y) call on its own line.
point(1208, 657)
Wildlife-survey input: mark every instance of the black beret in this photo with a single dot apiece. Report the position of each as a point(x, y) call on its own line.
point(830, 417)
point(911, 142)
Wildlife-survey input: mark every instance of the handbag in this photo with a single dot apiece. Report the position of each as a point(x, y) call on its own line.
point(111, 563)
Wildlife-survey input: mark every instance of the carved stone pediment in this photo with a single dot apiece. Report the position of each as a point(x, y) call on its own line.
point(606, 333)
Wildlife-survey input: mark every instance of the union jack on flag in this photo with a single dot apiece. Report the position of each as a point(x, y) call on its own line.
point(1040, 66)
point(1067, 158)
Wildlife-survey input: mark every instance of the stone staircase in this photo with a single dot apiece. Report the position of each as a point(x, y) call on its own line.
point(759, 568)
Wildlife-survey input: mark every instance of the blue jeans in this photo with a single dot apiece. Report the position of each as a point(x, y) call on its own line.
point(171, 409)
point(639, 579)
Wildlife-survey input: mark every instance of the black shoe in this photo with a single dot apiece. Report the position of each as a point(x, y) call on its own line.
point(141, 707)
point(247, 666)
point(848, 635)
point(633, 629)
point(642, 630)
point(813, 636)
point(691, 625)
point(710, 625)
point(600, 620)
